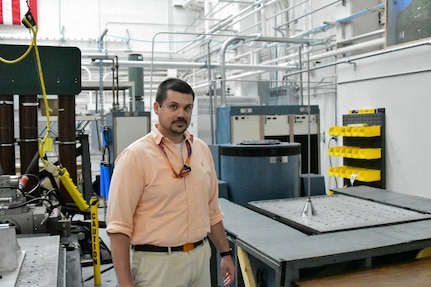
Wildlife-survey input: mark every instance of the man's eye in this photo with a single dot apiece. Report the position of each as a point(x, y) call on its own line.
point(173, 107)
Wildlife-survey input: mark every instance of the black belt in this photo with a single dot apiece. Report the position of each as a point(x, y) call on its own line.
point(153, 248)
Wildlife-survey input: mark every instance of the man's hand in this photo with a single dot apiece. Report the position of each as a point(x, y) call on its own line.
point(227, 269)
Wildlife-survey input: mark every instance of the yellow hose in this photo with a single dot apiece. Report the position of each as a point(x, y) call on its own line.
point(42, 83)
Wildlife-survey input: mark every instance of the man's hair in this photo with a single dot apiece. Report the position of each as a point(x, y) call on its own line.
point(173, 84)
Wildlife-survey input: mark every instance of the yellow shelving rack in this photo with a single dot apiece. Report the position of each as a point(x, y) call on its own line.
point(363, 148)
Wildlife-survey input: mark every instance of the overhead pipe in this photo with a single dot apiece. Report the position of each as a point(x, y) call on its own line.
point(261, 7)
point(332, 53)
point(190, 65)
point(152, 52)
point(368, 44)
point(214, 11)
point(351, 60)
point(91, 54)
point(326, 26)
point(229, 67)
point(309, 13)
point(288, 8)
point(236, 39)
point(205, 35)
point(362, 36)
point(227, 21)
point(312, 58)
point(202, 36)
point(361, 13)
point(194, 65)
point(255, 10)
point(321, 28)
point(226, 44)
point(261, 68)
point(208, 11)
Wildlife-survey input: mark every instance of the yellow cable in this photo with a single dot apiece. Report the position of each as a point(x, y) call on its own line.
point(42, 84)
point(20, 58)
point(63, 173)
point(45, 100)
point(30, 47)
point(41, 79)
point(43, 88)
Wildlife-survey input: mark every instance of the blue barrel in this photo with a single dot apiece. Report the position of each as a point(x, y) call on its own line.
point(261, 170)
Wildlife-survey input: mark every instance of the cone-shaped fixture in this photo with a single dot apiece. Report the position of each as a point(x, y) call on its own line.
point(308, 209)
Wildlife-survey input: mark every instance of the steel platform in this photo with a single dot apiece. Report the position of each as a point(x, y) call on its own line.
point(285, 254)
point(335, 213)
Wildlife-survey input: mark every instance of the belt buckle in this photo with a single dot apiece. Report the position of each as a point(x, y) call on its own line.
point(188, 246)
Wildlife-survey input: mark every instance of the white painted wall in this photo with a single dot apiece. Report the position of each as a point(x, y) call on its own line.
point(400, 83)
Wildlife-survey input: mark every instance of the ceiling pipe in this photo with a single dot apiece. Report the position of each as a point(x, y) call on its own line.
point(325, 26)
point(362, 36)
point(192, 65)
point(237, 39)
point(288, 8)
point(359, 37)
point(152, 51)
point(224, 47)
point(361, 13)
point(225, 22)
point(349, 60)
point(309, 13)
point(336, 52)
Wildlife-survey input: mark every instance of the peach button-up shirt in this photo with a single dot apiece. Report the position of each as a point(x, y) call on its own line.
point(150, 205)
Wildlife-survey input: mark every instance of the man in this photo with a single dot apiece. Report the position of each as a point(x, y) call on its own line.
point(163, 201)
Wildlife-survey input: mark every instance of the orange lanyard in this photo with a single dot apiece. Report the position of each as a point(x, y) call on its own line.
point(186, 168)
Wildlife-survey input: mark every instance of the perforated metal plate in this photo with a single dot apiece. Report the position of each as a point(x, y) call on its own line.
point(334, 213)
point(40, 266)
point(9, 278)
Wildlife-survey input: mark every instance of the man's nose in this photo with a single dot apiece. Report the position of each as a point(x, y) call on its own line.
point(181, 113)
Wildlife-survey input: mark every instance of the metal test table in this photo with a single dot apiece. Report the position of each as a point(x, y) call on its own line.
point(287, 250)
point(44, 263)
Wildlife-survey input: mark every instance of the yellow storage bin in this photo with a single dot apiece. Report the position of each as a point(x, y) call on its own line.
point(362, 174)
point(355, 131)
point(355, 152)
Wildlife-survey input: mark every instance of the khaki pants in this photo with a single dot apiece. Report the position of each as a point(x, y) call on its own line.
point(178, 269)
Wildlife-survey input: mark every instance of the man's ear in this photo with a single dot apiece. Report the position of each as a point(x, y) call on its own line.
point(156, 107)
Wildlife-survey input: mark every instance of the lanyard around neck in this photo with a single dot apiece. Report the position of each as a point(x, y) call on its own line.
point(186, 168)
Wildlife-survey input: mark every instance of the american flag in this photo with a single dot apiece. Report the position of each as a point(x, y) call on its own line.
point(12, 11)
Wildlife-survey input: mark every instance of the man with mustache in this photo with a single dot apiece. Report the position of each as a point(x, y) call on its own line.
point(163, 202)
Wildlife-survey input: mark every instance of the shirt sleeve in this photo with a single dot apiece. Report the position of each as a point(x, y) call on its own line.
point(127, 184)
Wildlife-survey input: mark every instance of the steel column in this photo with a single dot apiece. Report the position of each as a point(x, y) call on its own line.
point(67, 139)
point(7, 146)
point(28, 139)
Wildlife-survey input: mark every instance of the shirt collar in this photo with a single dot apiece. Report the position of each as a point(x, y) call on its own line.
point(157, 135)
